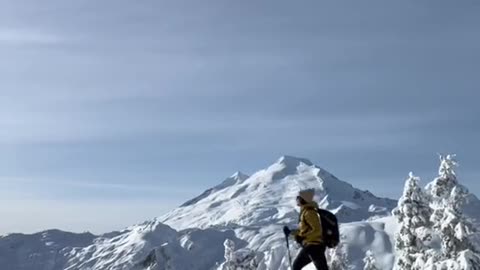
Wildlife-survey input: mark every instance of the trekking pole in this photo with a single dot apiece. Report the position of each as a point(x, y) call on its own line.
point(288, 252)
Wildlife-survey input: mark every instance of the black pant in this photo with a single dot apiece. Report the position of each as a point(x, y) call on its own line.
point(315, 253)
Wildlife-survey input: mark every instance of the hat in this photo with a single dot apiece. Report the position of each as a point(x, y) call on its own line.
point(307, 194)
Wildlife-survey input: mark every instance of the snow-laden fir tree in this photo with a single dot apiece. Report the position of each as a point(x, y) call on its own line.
point(468, 260)
point(427, 260)
point(338, 259)
point(229, 251)
point(454, 229)
point(448, 199)
point(243, 259)
point(370, 262)
point(413, 215)
point(441, 188)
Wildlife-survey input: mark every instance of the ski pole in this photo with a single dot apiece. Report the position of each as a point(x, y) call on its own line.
point(288, 252)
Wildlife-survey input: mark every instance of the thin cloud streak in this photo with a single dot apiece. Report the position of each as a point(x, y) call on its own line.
point(13, 182)
point(16, 36)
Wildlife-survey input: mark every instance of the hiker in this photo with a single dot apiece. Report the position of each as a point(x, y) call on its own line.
point(309, 233)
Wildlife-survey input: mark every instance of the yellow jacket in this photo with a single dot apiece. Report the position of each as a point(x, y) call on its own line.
point(310, 227)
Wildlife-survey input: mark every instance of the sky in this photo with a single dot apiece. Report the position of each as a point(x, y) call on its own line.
point(114, 112)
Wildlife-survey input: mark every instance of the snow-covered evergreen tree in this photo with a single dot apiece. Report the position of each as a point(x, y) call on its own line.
point(338, 259)
point(454, 229)
point(413, 214)
point(468, 260)
point(441, 188)
point(370, 262)
point(229, 250)
point(243, 259)
point(428, 260)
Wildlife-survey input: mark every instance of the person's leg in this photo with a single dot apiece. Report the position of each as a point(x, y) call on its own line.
point(302, 260)
point(317, 255)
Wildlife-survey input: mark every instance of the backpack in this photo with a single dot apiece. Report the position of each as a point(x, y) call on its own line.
point(331, 233)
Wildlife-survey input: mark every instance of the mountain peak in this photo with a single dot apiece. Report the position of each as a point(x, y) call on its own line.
point(291, 161)
point(239, 176)
point(236, 178)
point(268, 196)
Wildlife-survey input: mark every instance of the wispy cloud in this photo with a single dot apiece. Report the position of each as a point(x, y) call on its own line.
point(42, 188)
point(113, 120)
point(18, 36)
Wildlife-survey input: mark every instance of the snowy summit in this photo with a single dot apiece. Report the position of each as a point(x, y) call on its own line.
point(268, 197)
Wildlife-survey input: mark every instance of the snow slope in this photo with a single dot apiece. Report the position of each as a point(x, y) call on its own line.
point(357, 238)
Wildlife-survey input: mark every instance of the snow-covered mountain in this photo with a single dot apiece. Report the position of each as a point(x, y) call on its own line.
point(249, 210)
point(150, 245)
point(44, 250)
point(268, 197)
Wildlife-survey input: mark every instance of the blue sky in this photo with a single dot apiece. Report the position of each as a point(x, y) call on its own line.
point(112, 112)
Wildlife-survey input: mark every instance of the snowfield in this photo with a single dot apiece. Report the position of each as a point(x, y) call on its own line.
point(248, 211)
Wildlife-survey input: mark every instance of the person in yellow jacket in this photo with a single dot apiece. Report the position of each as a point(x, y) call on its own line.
point(309, 233)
